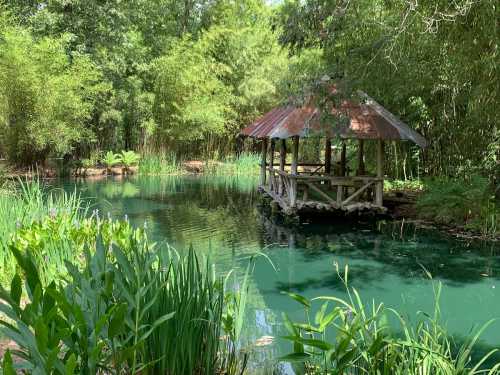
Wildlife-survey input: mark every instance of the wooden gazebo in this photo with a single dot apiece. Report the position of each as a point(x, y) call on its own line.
point(297, 186)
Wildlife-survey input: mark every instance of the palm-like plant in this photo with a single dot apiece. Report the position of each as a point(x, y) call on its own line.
point(110, 160)
point(128, 159)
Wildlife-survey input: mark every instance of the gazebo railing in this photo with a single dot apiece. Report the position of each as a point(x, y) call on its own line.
point(285, 188)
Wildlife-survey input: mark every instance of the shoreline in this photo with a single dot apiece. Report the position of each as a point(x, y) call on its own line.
point(400, 204)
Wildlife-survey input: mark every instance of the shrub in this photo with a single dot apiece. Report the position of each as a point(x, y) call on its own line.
point(111, 159)
point(48, 96)
point(129, 158)
point(469, 203)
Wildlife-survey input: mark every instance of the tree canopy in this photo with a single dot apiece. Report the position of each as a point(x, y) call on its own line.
point(77, 75)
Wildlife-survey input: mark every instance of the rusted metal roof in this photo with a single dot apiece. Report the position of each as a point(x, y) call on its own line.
point(365, 120)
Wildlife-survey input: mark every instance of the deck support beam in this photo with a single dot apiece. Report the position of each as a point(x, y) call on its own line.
point(379, 188)
point(263, 162)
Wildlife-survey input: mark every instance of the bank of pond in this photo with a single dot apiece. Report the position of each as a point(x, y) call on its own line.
point(188, 276)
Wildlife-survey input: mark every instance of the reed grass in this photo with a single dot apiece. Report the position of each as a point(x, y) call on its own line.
point(132, 308)
point(32, 209)
point(157, 163)
point(244, 164)
point(353, 338)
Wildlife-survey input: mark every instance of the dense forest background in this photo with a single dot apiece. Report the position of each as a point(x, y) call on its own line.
point(185, 75)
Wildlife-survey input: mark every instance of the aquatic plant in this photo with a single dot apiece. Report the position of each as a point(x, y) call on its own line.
point(351, 339)
point(36, 214)
point(159, 163)
point(243, 164)
point(127, 307)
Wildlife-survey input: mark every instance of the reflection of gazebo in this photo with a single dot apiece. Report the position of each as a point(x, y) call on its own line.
point(321, 189)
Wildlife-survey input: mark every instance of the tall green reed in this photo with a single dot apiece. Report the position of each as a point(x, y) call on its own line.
point(244, 164)
point(126, 307)
point(160, 162)
point(351, 338)
point(31, 213)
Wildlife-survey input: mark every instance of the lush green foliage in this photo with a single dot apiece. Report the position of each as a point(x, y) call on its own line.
point(111, 159)
point(351, 338)
point(122, 307)
point(42, 220)
point(159, 162)
point(244, 164)
point(470, 203)
point(432, 63)
point(46, 97)
point(129, 158)
point(123, 75)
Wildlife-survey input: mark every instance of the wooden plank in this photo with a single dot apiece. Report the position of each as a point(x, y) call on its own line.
point(357, 193)
point(271, 164)
point(282, 165)
point(340, 194)
point(321, 192)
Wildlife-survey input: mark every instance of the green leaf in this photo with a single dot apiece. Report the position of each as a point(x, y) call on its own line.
point(41, 335)
point(116, 324)
point(295, 357)
point(70, 366)
point(8, 365)
point(300, 299)
point(16, 289)
point(315, 343)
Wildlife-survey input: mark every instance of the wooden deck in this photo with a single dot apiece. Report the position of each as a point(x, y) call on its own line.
point(317, 192)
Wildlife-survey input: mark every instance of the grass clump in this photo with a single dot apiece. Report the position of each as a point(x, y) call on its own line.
point(36, 217)
point(244, 164)
point(350, 339)
point(159, 163)
point(469, 203)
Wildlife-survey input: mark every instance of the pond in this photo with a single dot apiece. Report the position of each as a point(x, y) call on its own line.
point(221, 219)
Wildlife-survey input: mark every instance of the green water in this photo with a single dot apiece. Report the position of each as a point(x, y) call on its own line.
point(221, 218)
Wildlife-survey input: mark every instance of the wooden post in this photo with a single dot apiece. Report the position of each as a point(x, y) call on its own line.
point(361, 159)
point(263, 163)
point(271, 164)
point(328, 156)
point(282, 165)
point(293, 181)
point(343, 168)
point(379, 189)
point(295, 154)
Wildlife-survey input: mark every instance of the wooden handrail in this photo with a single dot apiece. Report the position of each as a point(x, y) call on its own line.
point(333, 179)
